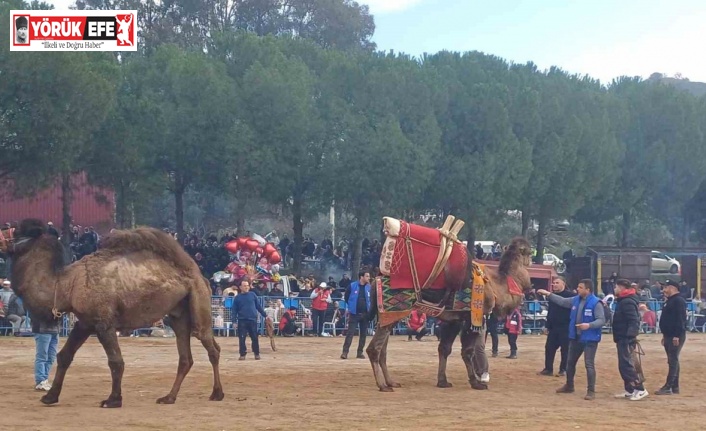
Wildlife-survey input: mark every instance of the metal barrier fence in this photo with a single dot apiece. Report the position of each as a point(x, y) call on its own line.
point(534, 314)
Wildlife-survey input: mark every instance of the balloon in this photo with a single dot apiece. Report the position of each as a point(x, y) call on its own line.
point(242, 240)
point(260, 240)
point(231, 266)
point(259, 251)
point(275, 258)
point(269, 248)
point(232, 246)
point(251, 244)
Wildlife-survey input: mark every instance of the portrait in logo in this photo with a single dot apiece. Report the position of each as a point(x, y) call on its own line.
point(22, 30)
point(125, 23)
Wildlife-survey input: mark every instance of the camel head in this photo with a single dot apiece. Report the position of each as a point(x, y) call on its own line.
point(521, 248)
point(30, 230)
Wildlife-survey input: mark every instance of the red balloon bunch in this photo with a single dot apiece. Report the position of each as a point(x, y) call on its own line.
point(269, 250)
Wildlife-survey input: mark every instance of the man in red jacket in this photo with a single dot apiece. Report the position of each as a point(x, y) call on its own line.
point(417, 325)
point(321, 299)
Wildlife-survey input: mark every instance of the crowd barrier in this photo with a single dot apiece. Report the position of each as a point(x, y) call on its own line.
point(534, 315)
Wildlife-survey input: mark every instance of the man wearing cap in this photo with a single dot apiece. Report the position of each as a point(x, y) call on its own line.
point(287, 323)
point(626, 327)
point(51, 230)
point(13, 309)
point(672, 324)
point(21, 26)
point(321, 299)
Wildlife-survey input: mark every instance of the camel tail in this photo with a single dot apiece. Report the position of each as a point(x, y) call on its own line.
point(149, 239)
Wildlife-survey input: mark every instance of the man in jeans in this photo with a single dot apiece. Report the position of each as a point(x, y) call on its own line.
point(357, 297)
point(46, 337)
point(672, 324)
point(626, 327)
point(586, 320)
point(246, 306)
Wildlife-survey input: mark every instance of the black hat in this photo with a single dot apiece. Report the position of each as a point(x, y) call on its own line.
point(21, 22)
point(672, 283)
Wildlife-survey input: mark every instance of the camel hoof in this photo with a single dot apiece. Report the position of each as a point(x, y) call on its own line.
point(386, 389)
point(444, 385)
point(111, 403)
point(217, 395)
point(49, 399)
point(166, 400)
point(394, 385)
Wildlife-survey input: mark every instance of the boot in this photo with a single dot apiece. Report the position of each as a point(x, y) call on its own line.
point(495, 354)
point(513, 355)
point(665, 390)
point(590, 396)
point(566, 389)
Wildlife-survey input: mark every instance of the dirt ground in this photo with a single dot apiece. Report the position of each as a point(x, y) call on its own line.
point(305, 386)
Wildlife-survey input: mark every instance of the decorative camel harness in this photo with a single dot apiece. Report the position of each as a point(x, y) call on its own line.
point(403, 243)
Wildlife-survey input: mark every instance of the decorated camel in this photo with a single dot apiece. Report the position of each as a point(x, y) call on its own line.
point(429, 269)
point(137, 277)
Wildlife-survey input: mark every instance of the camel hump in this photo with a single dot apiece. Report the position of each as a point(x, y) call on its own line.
point(148, 239)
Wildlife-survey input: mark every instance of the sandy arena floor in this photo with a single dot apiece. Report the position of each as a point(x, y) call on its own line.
point(305, 386)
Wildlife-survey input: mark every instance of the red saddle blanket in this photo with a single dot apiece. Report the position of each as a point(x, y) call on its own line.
point(426, 242)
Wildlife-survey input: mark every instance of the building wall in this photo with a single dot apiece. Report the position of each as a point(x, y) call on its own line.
point(91, 206)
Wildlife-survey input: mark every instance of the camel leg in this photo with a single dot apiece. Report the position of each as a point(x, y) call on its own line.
point(109, 340)
point(447, 336)
point(375, 351)
point(181, 325)
point(214, 356)
point(383, 365)
point(78, 335)
point(468, 344)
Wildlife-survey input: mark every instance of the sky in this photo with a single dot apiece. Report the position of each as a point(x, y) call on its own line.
point(602, 38)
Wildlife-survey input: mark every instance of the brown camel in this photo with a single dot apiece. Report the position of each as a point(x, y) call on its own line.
point(136, 278)
point(514, 263)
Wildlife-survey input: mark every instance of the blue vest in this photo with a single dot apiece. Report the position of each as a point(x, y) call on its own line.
point(353, 298)
point(592, 334)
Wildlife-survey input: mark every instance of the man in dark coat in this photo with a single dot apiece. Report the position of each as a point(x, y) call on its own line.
point(557, 328)
point(672, 324)
point(626, 327)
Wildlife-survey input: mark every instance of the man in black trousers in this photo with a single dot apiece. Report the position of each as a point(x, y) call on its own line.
point(672, 324)
point(557, 328)
point(626, 327)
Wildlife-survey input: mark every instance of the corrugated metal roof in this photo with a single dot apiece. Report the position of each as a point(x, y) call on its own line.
point(91, 206)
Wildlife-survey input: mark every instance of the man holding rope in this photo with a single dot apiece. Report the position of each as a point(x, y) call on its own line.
point(626, 327)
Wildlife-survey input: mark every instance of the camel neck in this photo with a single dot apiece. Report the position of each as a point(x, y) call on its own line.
point(39, 283)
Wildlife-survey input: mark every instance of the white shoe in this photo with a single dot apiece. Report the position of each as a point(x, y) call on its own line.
point(485, 378)
point(638, 395)
point(39, 387)
point(624, 395)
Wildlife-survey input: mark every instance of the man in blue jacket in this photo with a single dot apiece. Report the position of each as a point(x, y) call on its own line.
point(586, 320)
point(357, 297)
point(245, 309)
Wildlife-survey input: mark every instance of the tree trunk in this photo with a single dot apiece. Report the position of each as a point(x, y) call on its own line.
point(298, 225)
point(120, 205)
point(131, 210)
point(625, 239)
point(543, 221)
point(179, 200)
point(240, 217)
point(471, 238)
point(66, 200)
point(525, 223)
point(357, 249)
point(685, 229)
